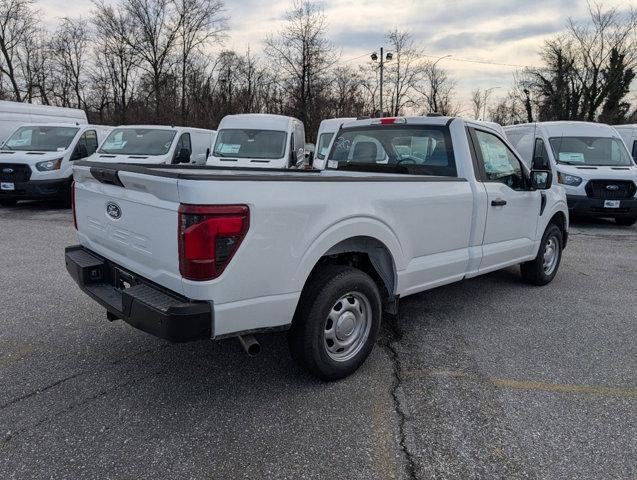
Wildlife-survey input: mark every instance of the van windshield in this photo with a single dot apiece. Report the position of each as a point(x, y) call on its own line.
point(592, 151)
point(138, 141)
point(406, 149)
point(41, 138)
point(250, 143)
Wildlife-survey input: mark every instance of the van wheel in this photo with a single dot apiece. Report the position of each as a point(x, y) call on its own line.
point(336, 322)
point(8, 202)
point(626, 222)
point(543, 268)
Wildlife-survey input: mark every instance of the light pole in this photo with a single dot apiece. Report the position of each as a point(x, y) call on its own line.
point(383, 58)
point(441, 58)
point(487, 92)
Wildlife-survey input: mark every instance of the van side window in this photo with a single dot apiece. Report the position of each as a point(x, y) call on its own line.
point(540, 156)
point(499, 162)
point(183, 143)
point(635, 151)
point(86, 145)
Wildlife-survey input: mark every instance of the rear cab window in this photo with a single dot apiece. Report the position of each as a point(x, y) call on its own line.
point(398, 148)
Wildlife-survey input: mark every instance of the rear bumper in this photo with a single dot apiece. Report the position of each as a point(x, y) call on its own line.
point(35, 189)
point(137, 301)
point(594, 207)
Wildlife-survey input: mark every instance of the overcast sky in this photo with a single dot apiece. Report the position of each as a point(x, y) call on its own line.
point(500, 31)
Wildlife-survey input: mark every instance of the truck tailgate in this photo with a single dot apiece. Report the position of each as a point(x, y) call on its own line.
point(134, 224)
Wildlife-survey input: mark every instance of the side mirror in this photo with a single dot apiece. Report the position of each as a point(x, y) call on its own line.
point(541, 179)
point(79, 152)
point(183, 156)
point(540, 163)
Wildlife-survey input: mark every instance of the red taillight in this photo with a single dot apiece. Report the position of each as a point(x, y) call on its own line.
point(389, 120)
point(209, 235)
point(73, 204)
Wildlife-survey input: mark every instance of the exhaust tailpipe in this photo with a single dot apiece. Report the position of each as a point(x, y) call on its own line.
point(250, 344)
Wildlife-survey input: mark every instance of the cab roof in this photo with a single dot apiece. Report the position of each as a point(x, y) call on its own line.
point(570, 128)
point(263, 121)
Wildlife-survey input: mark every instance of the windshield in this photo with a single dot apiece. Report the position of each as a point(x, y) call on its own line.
point(239, 143)
point(324, 144)
point(593, 151)
point(41, 138)
point(416, 150)
point(138, 141)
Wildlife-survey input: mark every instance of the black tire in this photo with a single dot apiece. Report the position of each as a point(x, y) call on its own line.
point(64, 197)
point(307, 339)
point(626, 221)
point(533, 271)
point(8, 202)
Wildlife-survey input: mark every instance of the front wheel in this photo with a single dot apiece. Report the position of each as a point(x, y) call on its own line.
point(543, 268)
point(625, 221)
point(336, 323)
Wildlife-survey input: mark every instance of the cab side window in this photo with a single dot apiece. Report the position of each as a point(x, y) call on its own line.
point(540, 156)
point(499, 162)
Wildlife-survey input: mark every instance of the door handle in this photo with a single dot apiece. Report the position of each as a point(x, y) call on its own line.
point(498, 202)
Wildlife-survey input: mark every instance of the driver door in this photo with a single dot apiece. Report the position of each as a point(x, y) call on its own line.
point(513, 209)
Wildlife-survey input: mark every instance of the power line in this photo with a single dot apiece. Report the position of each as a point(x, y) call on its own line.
point(486, 62)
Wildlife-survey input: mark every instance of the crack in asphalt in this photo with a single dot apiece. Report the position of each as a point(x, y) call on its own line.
point(75, 405)
point(395, 336)
point(110, 366)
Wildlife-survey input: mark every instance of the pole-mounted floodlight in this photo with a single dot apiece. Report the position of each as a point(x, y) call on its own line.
point(374, 56)
point(389, 56)
point(383, 58)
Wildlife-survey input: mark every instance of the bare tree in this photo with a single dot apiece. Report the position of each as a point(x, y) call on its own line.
point(437, 90)
point(200, 22)
point(70, 48)
point(301, 53)
point(156, 31)
point(18, 23)
point(477, 99)
point(404, 72)
point(114, 35)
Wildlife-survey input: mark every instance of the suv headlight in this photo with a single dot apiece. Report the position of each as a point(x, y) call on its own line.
point(566, 179)
point(49, 165)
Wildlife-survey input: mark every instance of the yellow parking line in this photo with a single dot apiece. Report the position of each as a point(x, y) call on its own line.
point(529, 384)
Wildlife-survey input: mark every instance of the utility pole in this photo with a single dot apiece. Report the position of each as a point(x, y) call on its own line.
point(383, 58)
point(382, 68)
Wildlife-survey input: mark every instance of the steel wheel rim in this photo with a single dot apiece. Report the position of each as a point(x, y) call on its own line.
point(551, 255)
point(347, 326)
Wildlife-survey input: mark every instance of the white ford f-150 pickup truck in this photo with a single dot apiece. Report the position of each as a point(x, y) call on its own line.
point(403, 205)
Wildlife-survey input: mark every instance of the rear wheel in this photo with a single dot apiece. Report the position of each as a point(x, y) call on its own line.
point(336, 323)
point(543, 268)
point(625, 222)
point(8, 202)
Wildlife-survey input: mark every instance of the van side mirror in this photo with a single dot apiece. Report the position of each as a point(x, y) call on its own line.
point(541, 179)
point(540, 163)
point(79, 152)
point(183, 156)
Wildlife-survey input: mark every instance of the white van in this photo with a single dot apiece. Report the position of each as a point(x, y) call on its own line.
point(36, 161)
point(327, 130)
point(259, 140)
point(589, 160)
point(629, 135)
point(14, 114)
point(156, 144)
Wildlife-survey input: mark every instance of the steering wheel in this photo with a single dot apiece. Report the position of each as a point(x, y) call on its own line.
point(407, 161)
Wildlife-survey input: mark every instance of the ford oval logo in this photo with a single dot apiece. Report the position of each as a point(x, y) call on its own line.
point(612, 187)
point(113, 210)
point(7, 170)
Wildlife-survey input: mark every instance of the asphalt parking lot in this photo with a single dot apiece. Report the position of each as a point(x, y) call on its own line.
point(488, 378)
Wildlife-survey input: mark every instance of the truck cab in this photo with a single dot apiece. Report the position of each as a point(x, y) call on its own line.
point(589, 160)
point(156, 144)
point(36, 161)
point(259, 141)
